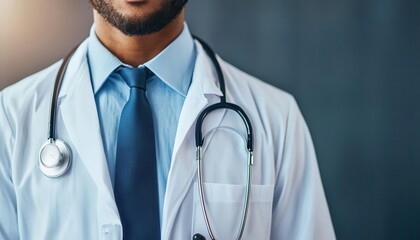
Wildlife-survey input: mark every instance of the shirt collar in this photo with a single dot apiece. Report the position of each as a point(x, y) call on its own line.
point(174, 65)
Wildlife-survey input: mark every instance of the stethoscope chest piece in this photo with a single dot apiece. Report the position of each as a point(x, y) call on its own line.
point(54, 158)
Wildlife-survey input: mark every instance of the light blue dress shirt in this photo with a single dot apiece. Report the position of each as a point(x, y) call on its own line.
point(166, 92)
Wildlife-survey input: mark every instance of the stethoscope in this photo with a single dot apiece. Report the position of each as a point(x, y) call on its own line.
point(55, 155)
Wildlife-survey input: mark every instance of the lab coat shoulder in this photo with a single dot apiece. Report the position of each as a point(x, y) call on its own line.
point(23, 101)
point(29, 93)
point(20, 102)
point(300, 209)
point(270, 107)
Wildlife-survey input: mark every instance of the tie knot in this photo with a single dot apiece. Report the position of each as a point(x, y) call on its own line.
point(134, 77)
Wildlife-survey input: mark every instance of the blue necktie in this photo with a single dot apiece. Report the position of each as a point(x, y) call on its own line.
point(136, 187)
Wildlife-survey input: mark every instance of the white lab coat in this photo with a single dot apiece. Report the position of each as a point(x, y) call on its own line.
point(287, 199)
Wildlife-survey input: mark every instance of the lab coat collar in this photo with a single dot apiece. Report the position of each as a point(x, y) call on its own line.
point(79, 114)
point(74, 68)
point(205, 73)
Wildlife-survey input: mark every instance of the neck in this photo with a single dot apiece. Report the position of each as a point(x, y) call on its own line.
point(136, 50)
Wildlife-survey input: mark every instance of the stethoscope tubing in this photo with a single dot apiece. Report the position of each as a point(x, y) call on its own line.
point(200, 141)
point(201, 193)
point(247, 194)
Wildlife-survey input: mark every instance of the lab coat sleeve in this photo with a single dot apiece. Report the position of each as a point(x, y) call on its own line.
point(300, 210)
point(8, 213)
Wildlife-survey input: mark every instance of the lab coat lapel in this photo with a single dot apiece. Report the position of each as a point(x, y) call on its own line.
point(183, 165)
point(80, 118)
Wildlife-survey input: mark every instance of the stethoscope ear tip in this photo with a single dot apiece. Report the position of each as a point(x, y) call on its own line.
point(198, 236)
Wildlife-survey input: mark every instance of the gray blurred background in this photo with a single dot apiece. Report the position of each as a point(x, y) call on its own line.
point(353, 66)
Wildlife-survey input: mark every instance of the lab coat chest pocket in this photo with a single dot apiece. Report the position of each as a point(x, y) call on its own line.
point(224, 175)
point(224, 207)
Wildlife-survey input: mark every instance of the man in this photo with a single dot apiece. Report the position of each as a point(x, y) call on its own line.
point(127, 109)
